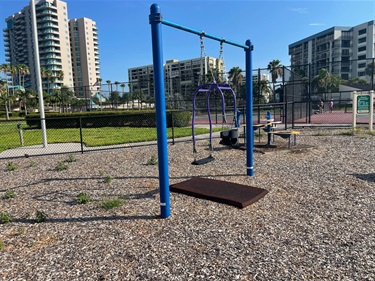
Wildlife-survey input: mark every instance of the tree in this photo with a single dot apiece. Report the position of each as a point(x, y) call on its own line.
point(23, 70)
point(6, 100)
point(263, 90)
point(109, 86)
point(4, 68)
point(326, 82)
point(236, 77)
point(276, 70)
point(117, 83)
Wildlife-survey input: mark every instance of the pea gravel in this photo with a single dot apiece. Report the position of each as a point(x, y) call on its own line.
point(316, 223)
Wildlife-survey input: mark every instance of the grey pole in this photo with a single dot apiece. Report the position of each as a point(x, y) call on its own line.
point(37, 74)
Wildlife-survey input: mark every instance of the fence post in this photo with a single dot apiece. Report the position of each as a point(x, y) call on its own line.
point(80, 133)
point(172, 112)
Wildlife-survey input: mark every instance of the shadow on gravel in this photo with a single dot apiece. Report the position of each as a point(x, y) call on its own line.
point(365, 177)
point(89, 219)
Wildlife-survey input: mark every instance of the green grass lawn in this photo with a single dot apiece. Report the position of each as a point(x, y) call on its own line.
point(91, 136)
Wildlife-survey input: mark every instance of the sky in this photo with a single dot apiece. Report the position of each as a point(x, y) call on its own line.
point(271, 25)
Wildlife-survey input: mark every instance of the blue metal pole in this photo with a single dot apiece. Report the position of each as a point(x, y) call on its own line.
point(249, 112)
point(194, 31)
point(161, 123)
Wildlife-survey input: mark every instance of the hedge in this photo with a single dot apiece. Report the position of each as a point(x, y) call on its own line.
point(108, 119)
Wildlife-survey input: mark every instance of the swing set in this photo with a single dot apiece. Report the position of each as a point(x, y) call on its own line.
point(156, 20)
point(208, 89)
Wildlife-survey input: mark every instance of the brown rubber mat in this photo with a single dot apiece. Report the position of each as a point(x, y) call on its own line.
point(234, 194)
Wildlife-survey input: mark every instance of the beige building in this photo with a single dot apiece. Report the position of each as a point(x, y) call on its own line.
point(56, 36)
point(181, 77)
point(85, 56)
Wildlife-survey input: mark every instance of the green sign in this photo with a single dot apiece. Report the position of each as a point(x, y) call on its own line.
point(363, 104)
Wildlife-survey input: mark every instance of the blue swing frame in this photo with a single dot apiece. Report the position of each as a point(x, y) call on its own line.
point(156, 21)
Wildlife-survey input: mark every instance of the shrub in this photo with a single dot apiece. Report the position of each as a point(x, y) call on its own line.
point(71, 159)
point(11, 166)
point(83, 198)
point(40, 216)
point(9, 193)
point(61, 166)
point(153, 160)
point(5, 217)
point(112, 203)
point(108, 179)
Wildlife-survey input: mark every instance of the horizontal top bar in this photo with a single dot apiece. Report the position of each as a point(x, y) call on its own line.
point(202, 33)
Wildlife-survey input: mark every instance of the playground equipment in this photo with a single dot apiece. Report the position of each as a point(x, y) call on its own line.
point(156, 20)
point(208, 89)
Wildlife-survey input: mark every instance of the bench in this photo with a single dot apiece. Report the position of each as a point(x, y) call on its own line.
point(286, 135)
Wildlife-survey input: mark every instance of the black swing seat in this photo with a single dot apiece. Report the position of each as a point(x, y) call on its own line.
point(203, 161)
point(229, 137)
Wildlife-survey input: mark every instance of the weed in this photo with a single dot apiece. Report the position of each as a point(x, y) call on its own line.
point(101, 173)
point(83, 198)
point(1, 244)
point(33, 164)
point(348, 133)
point(9, 193)
point(61, 166)
point(108, 179)
point(40, 216)
point(71, 159)
point(22, 231)
point(5, 217)
point(112, 203)
point(11, 166)
point(153, 160)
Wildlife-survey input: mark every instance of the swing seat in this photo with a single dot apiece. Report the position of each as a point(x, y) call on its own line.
point(203, 161)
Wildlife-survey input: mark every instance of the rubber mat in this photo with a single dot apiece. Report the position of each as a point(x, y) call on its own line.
point(234, 194)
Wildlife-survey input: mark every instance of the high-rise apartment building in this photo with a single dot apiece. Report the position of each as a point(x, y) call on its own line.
point(181, 77)
point(341, 50)
point(85, 55)
point(57, 42)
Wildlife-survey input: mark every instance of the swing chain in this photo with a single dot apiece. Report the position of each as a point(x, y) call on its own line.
point(221, 58)
point(203, 57)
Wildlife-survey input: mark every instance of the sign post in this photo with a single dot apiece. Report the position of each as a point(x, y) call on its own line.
point(363, 104)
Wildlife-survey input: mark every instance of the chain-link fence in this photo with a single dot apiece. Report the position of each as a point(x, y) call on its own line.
point(299, 95)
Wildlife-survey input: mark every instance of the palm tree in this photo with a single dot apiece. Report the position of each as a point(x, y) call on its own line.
point(263, 91)
point(276, 70)
point(117, 83)
point(23, 70)
point(325, 81)
point(4, 68)
point(109, 86)
point(235, 75)
point(123, 93)
point(13, 71)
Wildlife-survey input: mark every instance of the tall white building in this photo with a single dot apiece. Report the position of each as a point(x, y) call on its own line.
point(85, 55)
point(57, 42)
point(344, 51)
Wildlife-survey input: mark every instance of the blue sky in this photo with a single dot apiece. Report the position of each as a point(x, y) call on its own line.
point(125, 37)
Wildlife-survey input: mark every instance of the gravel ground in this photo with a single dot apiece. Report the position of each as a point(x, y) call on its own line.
point(316, 222)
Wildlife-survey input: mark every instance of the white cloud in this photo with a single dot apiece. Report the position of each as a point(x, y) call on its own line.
point(299, 10)
point(316, 24)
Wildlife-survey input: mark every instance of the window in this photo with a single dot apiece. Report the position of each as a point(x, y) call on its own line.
point(361, 65)
point(361, 73)
point(345, 43)
point(362, 40)
point(362, 31)
point(363, 57)
point(361, 49)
